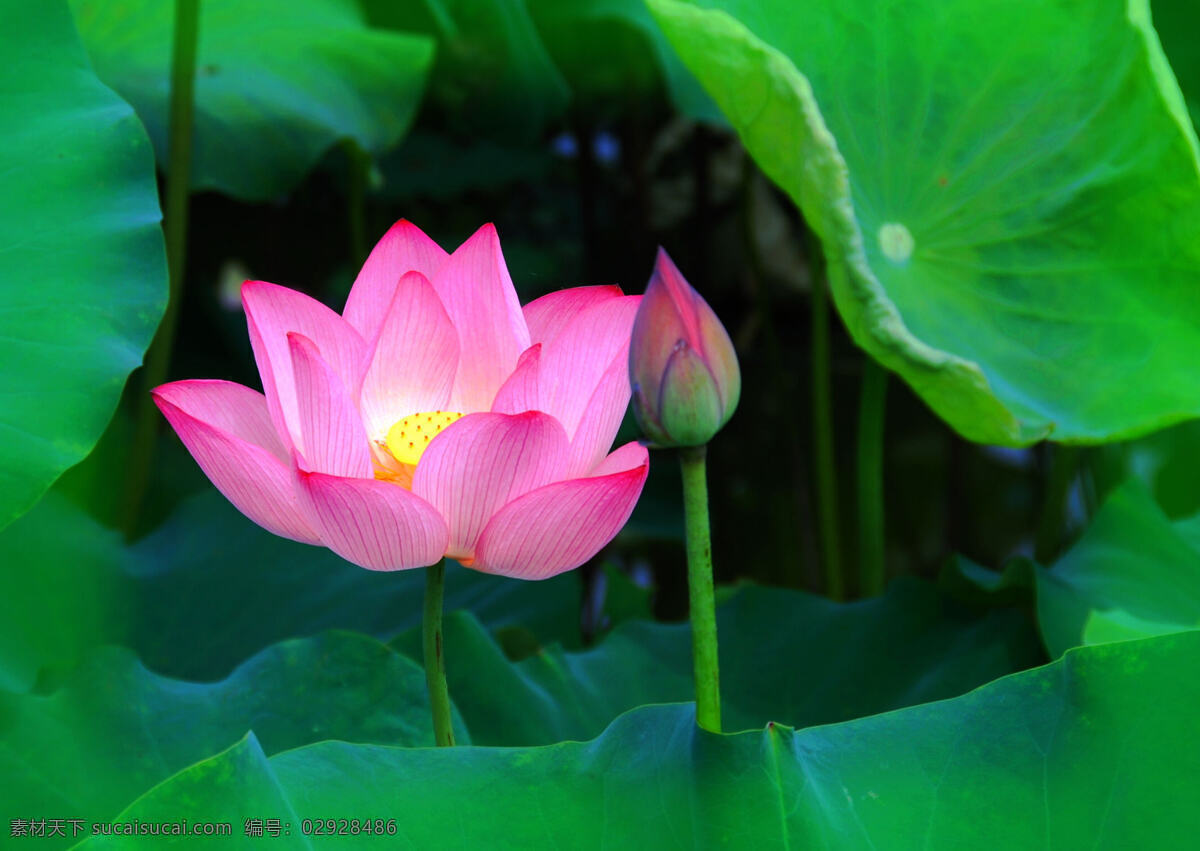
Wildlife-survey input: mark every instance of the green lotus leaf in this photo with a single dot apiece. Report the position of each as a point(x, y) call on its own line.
point(83, 283)
point(1007, 193)
point(911, 646)
point(1133, 573)
point(114, 719)
point(1086, 752)
point(277, 83)
point(208, 588)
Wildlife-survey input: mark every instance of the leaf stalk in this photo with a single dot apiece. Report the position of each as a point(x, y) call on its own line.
point(702, 605)
point(435, 656)
point(871, 414)
point(175, 224)
point(823, 446)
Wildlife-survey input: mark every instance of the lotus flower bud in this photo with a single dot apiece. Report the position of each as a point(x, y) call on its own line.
point(682, 366)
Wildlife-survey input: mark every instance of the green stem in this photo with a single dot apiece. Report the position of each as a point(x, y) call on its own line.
point(358, 165)
point(435, 657)
point(175, 220)
point(1063, 466)
point(700, 589)
point(793, 531)
point(871, 411)
point(822, 411)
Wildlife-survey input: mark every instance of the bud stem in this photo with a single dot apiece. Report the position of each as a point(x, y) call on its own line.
point(435, 658)
point(871, 411)
point(700, 588)
point(824, 460)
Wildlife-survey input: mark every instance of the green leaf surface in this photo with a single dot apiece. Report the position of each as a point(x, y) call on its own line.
point(1087, 752)
point(1007, 194)
point(911, 646)
point(278, 82)
point(208, 588)
point(1134, 573)
point(114, 729)
point(245, 778)
point(83, 280)
point(58, 595)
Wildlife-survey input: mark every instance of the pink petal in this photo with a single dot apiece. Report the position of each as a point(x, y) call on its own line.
point(687, 301)
point(478, 295)
point(671, 311)
point(404, 248)
point(331, 437)
point(575, 361)
point(560, 526)
point(548, 315)
point(227, 406)
point(415, 358)
point(655, 331)
point(632, 454)
point(376, 525)
point(601, 419)
point(520, 392)
point(271, 312)
point(250, 476)
point(483, 461)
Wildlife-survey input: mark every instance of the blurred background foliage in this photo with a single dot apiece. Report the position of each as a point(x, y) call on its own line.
point(579, 130)
point(576, 130)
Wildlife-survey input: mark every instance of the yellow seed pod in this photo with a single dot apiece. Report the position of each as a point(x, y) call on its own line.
point(408, 438)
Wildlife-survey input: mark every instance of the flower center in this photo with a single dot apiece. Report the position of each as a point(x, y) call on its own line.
point(408, 438)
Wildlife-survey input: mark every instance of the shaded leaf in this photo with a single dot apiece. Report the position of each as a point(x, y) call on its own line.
point(114, 729)
point(786, 656)
point(612, 49)
point(493, 75)
point(278, 82)
point(1166, 462)
point(208, 588)
point(1134, 573)
point(1082, 753)
point(1177, 22)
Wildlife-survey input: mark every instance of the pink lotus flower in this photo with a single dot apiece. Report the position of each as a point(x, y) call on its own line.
point(434, 417)
point(686, 380)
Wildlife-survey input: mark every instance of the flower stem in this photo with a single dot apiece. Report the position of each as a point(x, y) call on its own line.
point(700, 589)
point(1064, 465)
point(822, 411)
point(175, 219)
point(435, 658)
point(872, 406)
point(357, 167)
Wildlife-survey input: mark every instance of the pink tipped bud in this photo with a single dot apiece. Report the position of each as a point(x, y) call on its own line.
point(682, 366)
